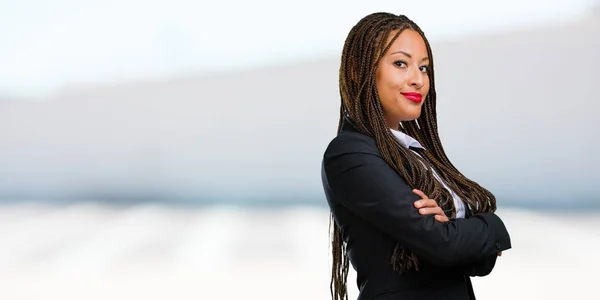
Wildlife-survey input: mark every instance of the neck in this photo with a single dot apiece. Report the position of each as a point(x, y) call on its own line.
point(392, 125)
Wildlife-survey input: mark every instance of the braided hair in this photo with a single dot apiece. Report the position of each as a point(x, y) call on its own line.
point(363, 49)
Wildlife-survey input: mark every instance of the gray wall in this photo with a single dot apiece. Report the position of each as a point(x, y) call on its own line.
point(515, 110)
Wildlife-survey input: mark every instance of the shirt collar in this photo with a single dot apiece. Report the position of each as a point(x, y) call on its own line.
point(406, 140)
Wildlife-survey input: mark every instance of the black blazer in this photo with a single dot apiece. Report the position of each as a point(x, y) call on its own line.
point(374, 208)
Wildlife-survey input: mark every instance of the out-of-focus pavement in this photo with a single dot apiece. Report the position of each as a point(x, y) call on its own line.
point(92, 251)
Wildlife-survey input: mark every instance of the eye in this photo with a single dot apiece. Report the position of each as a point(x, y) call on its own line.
point(424, 69)
point(400, 64)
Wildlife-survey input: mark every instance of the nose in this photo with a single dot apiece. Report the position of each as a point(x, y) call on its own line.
point(416, 78)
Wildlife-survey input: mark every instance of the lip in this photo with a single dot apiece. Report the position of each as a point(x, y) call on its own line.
point(415, 97)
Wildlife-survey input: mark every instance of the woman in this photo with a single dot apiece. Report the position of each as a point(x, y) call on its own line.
point(387, 178)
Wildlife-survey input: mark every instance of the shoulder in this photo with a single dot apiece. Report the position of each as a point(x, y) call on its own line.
point(351, 142)
point(351, 149)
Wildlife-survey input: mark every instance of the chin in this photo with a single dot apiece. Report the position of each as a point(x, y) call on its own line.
point(410, 119)
point(413, 116)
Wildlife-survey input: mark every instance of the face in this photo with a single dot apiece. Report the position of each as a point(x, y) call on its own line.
point(402, 78)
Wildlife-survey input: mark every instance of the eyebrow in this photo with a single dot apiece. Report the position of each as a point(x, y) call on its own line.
point(409, 56)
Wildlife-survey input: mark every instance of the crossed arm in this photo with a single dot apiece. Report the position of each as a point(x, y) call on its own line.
point(368, 187)
point(429, 206)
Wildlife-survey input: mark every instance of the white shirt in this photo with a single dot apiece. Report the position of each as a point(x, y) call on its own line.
point(408, 141)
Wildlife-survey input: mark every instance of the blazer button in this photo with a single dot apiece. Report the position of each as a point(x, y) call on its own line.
point(497, 245)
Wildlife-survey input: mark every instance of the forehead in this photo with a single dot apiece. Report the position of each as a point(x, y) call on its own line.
point(408, 41)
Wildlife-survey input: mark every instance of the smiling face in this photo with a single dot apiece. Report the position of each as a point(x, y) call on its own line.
point(402, 78)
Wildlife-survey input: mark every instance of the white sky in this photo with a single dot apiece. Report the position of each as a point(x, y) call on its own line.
point(48, 44)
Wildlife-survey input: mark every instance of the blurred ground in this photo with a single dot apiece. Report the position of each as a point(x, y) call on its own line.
point(93, 251)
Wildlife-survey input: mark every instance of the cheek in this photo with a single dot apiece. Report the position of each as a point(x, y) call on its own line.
point(389, 83)
point(383, 88)
point(426, 88)
point(387, 93)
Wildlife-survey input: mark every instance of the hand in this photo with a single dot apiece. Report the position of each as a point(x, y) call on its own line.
point(500, 253)
point(428, 206)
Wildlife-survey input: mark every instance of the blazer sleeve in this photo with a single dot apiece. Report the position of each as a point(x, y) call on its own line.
point(480, 268)
point(366, 185)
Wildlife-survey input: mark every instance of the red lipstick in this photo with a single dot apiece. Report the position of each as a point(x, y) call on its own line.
point(415, 97)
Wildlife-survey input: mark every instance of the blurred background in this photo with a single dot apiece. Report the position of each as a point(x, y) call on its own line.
point(172, 149)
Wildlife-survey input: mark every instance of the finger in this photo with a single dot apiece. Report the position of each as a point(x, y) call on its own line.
point(424, 201)
point(420, 193)
point(428, 203)
point(441, 219)
point(431, 211)
point(500, 253)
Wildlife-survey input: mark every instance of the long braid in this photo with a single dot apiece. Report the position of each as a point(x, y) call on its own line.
point(363, 49)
